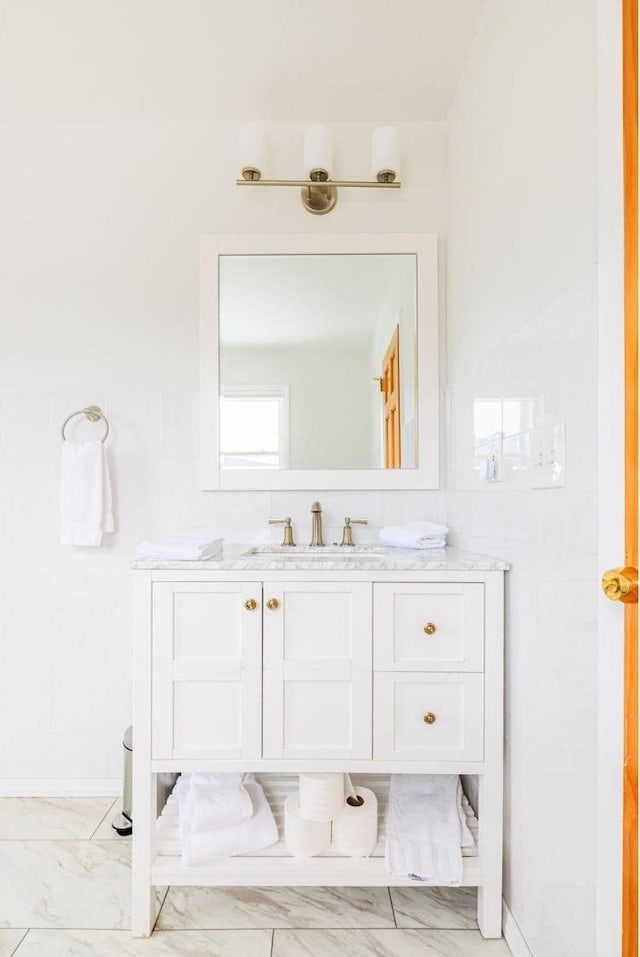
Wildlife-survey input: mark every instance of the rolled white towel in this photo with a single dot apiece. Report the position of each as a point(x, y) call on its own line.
point(216, 800)
point(414, 535)
point(258, 832)
point(429, 529)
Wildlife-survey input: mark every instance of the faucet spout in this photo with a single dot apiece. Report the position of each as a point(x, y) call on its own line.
point(316, 525)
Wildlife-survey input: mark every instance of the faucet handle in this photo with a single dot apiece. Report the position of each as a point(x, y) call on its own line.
point(347, 537)
point(288, 531)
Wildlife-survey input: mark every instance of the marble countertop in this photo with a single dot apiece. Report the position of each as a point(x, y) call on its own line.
point(362, 558)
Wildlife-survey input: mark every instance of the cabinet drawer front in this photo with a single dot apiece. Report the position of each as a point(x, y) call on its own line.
point(429, 627)
point(311, 715)
point(420, 717)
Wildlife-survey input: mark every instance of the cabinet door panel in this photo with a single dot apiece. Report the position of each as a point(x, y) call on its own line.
point(317, 679)
point(454, 703)
point(318, 625)
point(422, 627)
point(313, 715)
point(207, 675)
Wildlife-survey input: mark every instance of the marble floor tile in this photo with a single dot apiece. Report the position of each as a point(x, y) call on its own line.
point(245, 907)
point(386, 943)
point(51, 818)
point(64, 884)
point(104, 831)
point(443, 908)
point(9, 940)
point(120, 943)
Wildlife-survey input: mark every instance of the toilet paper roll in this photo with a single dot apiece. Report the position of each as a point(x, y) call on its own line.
point(321, 795)
point(304, 838)
point(355, 832)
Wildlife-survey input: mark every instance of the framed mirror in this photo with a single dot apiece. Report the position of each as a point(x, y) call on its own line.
point(319, 362)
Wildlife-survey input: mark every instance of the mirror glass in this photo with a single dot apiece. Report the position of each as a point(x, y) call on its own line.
point(318, 357)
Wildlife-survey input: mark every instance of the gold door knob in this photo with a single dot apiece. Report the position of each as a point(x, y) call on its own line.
point(429, 628)
point(429, 717)
point(251, 604)
point(621, 584)
point(273, 603)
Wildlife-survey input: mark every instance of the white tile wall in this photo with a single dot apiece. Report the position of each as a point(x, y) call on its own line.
point(522, 324)
point(99, 243)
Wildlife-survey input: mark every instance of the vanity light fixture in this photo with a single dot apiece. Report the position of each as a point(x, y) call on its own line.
point(319, 193)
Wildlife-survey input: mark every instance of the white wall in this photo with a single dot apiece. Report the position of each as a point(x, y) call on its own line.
point(99, 304)
point(522, 323)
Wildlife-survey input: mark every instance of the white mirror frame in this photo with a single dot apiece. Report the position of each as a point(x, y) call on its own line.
point(426, 475)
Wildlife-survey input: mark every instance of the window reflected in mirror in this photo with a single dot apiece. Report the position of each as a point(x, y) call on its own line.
point(318, 358)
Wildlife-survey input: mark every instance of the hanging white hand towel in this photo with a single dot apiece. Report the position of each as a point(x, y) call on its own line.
point(423, 830)
point(85, 494)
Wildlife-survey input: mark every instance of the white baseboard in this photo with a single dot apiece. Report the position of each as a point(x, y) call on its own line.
point(513, 935)
point(63, 787)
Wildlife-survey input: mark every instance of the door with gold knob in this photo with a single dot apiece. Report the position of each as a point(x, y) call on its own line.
point(207, 670)
point(317, 677)
point(618, 492)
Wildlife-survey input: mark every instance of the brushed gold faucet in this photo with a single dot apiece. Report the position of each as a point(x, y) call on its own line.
point(288, 531)
point(347, 536)
point(316, 526)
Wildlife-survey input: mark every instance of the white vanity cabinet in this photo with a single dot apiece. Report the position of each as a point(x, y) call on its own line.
point(273, 667)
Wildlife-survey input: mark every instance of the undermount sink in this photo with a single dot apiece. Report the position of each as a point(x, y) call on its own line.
point(327, 553)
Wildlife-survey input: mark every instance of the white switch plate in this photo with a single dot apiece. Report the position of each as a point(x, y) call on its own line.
point(548, 456)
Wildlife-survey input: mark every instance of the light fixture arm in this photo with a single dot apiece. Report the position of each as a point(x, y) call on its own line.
point(319, 196)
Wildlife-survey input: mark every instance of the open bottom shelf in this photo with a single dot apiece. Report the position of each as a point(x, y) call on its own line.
point(275, 866)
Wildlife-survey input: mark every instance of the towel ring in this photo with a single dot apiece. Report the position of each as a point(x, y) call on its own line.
point(93, 413)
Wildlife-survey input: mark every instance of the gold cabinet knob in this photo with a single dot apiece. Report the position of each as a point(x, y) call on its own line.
point(621, 584)
point(273, 603)
point(430, 628)
point(251, 604)
point(429, 717)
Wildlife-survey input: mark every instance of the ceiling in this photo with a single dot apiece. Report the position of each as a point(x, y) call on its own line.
point(226, 60)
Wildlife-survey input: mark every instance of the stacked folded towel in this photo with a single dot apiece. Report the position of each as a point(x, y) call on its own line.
point(221, 815)
point(426, 828)
point(415, 535)
point(180, 549)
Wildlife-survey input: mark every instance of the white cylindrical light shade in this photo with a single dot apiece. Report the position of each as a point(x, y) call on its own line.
point(252, 148)
point(385, 151)
point(317, 150)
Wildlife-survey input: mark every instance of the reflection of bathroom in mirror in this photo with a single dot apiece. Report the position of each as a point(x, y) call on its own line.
point(318, 361)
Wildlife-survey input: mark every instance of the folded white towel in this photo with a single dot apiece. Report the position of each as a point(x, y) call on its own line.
point(180, 549)
point(414, 535)
point(213, 800)
point(423, 828)
point(85, 494)
point(258, 832)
